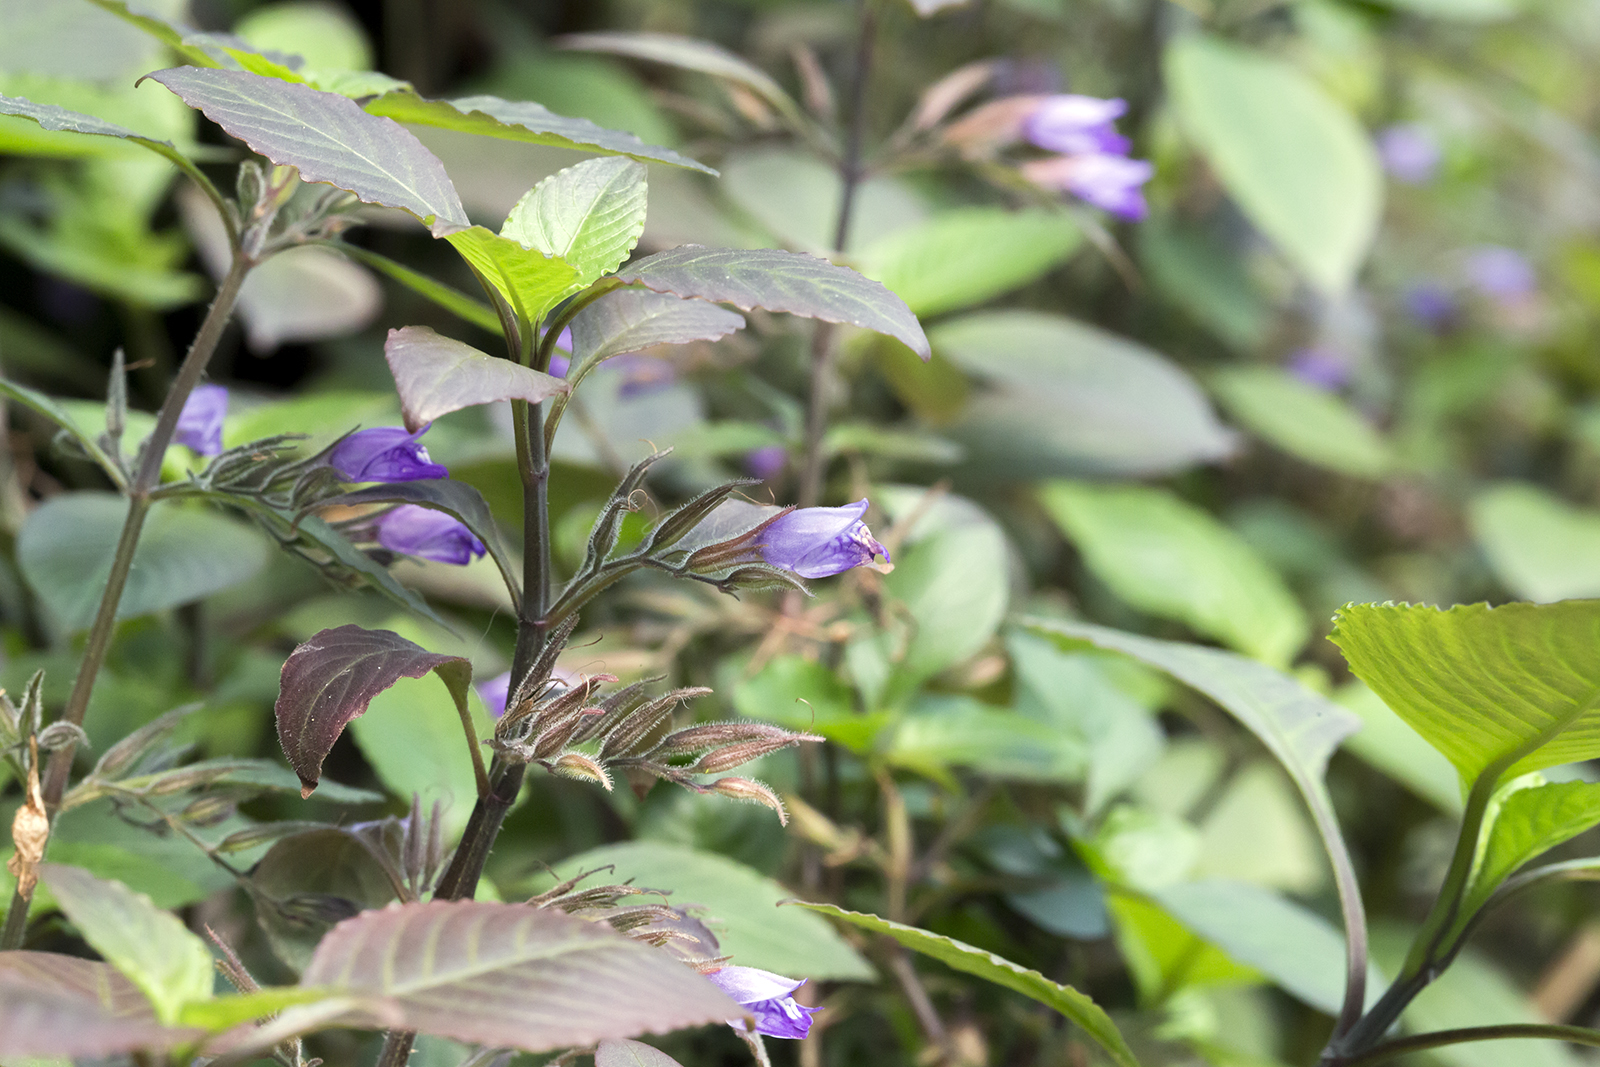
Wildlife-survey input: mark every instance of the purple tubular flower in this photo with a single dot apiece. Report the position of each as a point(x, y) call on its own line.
point(200, 421)
point(820, 542)
point(385, 454)
point(495, 692)
point(1106, 181)
point(767, 997)
point(1501, 274)
point(413, 530)
point(1410, 152)
point(1078, 125)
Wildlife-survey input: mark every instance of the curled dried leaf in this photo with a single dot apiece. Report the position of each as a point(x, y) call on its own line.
point(30, 831)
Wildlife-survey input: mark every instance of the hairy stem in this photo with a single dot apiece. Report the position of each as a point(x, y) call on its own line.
point(1577, 1035)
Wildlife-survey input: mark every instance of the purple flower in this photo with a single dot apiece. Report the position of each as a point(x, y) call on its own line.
point(200, 421)
point(766, 462)
point(1410, 152)
point(1502, 274)
point(495, 692)
point(1078, 125)
point(1106, 181)
point(1320, 367)
point(384, 454)
point(1431, 304)
point(819, 542)
point(414, 530)
point(766, 996)
point(562, 359)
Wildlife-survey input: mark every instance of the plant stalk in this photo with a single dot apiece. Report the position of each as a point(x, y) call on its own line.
point(1577, 1035)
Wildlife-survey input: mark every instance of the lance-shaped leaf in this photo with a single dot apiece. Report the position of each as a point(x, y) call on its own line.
point(513, 975)
point(331, 678)
point(168, 963)
point(436, 375)
point(521, 120)
point(1530, 816)
point(316, 531)
point(327, 137)
point(779, 281)
point(530, 281)
point(62, 1006)
point(991, 968)
point(59, 119)
point(454, 498)
point(1515, 688)
point(590, 214)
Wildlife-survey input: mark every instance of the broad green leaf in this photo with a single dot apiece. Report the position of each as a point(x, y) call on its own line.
point(326, 37)
point(1512, 689)
point(1539, 546)
point(795, 197)
point(1171, 559)
point(1163, 955)
point(436, 375)
point(530, 281)
point(328, 138)
point(66, 546)
point(969, 255)
point(1254, 829)
point(986, 965)
point(53, 410)
point(740, 904)
point(62, 1006)
point(332, 677)
point(938, 733)
point(316, 531)
point(506, 974)
point(1529, 817)
point(870, 439)
point(1066, 398)
point(168, 963)
point(1295, 161)
point(1304, 421)
point(689, 53)
point(779, 281)
point(802, 694)
point(521, 120)
point(1387, 743)
point(590, 215)
point(307, 881)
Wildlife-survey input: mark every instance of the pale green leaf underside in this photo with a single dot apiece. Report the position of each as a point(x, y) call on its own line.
point(1513, 687)
point(1304, 421)
point(991, 968)
point(590, 215)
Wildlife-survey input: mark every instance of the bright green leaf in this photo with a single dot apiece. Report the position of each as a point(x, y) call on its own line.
point(1529, 817)
point(1387, 743)
point(590, 215)
point(943, 732)
point(1539, 546)
point(529, 280)
point(1304, 421)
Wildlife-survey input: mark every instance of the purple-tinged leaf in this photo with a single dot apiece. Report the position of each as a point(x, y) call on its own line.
point(59, 1006)
point(529, 280)
point(436, 375)
point(81, 979)
point(332, 677)
point(625, 1053)
point(327, 137)
point(779, 281)
point(513, 975)
point(516, 120)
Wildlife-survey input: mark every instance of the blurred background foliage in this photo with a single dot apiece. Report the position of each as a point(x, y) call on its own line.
point(1347, 356)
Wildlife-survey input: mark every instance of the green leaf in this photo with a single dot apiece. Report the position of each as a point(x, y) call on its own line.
point(802, 694)
point(741, 905)
point(1539, 546)
point(530, 281)
point(326, 38)
point(168, 963)
point(506, 974)
point(986, 965)
point(1387, 743)
point(1171, 559)
point(223, 1012)
point(590, 215)
point(779, 281)
point(1066, 398)
point(328, 138)
point(795, 198)
point(942, 732)
point(969, 255)
point(66, 547)
point(1529, 817)
point(452, 300)
point(1296, 162)
point(53, 410)
point(1303, 420)
point(59, 119)
point(436, 375)
point(1512, 688)
point(347, 555)
point(521, 120)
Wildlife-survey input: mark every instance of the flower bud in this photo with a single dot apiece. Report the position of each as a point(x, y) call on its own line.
point(725, 759)
point(752, 791)
point(577, 765)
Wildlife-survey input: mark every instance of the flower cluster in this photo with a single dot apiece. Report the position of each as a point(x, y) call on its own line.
point(390, 454)
point(1092, 161)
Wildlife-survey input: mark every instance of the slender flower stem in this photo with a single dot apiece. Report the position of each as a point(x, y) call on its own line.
point(1577, 1035)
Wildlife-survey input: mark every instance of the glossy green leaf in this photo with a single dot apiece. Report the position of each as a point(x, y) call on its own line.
point(521, 120)
point(779, 281)
point(1296, 162)
point(740, 904)
point(960, 258)
point(991, 968)
point(328, 138)
point(1066, 398)
point(530, 281)
point(938, 733)
point(1512, 688)
point(590, 215)
point(1529, 817)
point(222, 1012)
point(1171, 559)
point(1539, 546)
point(66, 546)
point(168, 963)
point(1304, 421)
